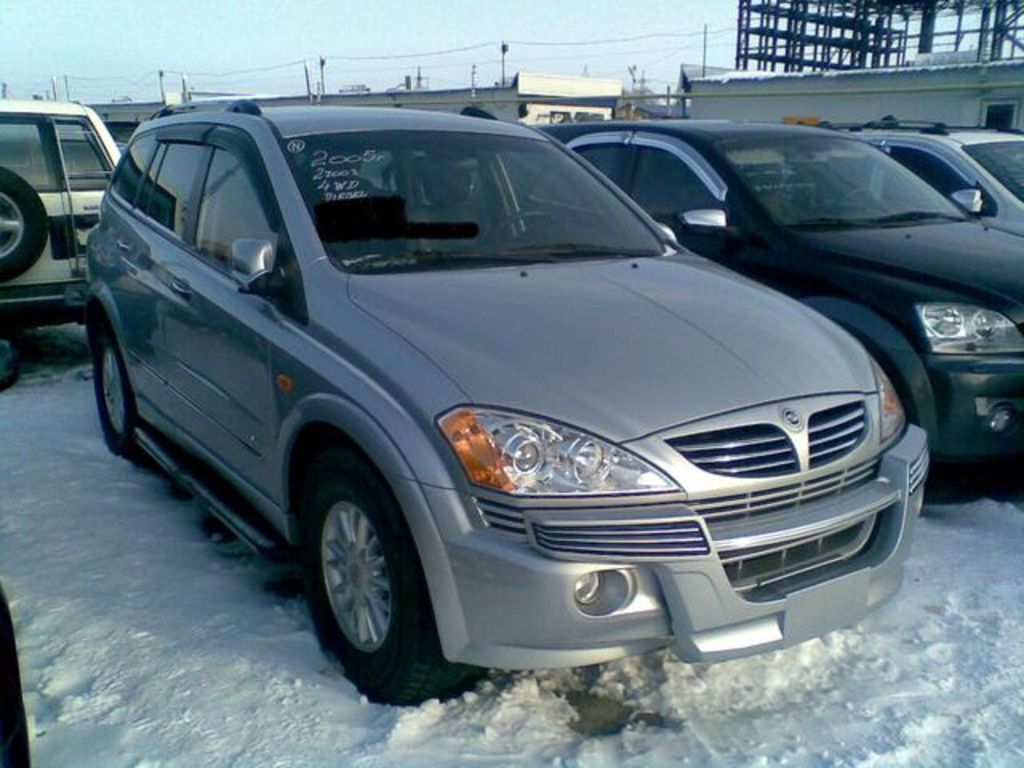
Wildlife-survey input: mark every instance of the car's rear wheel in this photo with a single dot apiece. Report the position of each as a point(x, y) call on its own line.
point(115, 400)
point(23, 225)
point(365, 585)
point(13, 728)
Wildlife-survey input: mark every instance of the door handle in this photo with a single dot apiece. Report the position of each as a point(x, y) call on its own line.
point(181, 287)
point(124, 245)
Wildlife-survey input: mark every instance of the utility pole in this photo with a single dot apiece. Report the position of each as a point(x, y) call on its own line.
point(3, 90)
point(184, 88)
point(309, 82)
point(704, 55)
point(472, 82)
point(323, 87)
point(419, 78)
point(53, 87)
point(163, 93)
point(67, 89)
point(504, 50)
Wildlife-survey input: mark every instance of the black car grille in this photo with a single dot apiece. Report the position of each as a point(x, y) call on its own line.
point(757, 450)
point(834, 432)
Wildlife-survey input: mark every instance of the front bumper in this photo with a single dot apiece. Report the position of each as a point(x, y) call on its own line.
point(966, 388)
point(516, 606)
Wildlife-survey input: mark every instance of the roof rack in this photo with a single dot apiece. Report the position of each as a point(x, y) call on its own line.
point(240, 106)
point(890, 123)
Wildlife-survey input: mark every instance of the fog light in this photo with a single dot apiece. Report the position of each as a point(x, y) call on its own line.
point(1002, 418)
point(587, 588)
point(600, 593)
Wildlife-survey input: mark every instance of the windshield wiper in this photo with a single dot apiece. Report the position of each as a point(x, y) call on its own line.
point(559, 251)
point(908, 217)
point(829, 221)
point(435, 257)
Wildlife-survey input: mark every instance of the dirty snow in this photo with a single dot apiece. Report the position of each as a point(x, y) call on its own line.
point(149, 639)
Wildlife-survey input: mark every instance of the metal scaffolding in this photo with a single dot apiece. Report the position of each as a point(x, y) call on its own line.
point(814, 35)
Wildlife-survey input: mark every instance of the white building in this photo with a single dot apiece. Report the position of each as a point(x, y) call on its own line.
point(966, 95)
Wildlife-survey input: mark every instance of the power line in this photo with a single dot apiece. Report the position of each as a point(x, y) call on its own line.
point(650, 36)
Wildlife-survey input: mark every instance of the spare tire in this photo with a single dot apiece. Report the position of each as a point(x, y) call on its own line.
point(23, 225)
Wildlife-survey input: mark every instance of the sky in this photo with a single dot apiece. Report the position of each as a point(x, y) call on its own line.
point(112, 49)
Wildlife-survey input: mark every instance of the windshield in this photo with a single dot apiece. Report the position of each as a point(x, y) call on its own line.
point(413, 200)
point(1004, 160)
point(829, 182)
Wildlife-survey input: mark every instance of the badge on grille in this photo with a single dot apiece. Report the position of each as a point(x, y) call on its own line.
point(791, 418)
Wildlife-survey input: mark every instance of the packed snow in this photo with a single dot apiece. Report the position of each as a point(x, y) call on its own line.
point(149, 638)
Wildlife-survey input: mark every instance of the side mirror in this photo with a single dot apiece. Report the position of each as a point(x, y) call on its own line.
point(705, 219)
point(971, 200)
point(669, 233)
point(252, 262)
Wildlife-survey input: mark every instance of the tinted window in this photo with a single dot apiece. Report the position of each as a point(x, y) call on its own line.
point(816, 180)
point(610, 159)
point(170, 199)
point(84, 159)
point(230, 209)
point(22, 151)
point(128, 178)
point(665, 187)
point(1000, 116)
point(930, 168)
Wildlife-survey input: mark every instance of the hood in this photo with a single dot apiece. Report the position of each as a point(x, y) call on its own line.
point(962, 256)
point(622, 349)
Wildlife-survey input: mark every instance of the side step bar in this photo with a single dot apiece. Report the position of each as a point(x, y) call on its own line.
point(214, 494)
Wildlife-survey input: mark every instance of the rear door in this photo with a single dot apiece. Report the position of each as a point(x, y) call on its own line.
point(216, 337)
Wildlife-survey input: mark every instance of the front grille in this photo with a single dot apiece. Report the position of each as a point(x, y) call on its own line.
point(741, 505)
point(834, 432)
point(501, 517)
point(660, 539)
point(918, 472)
point(757, 450)
point(749, 569)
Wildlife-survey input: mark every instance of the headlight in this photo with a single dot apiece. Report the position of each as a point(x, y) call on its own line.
point(527, 456)
point(892, 409)
point(962, 329)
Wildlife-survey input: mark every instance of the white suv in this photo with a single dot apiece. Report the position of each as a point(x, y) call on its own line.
point(55, 162)
point(959, 161)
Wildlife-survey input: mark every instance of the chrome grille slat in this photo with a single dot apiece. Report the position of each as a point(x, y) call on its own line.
point(752, 450)
point(846, 422)
point(659, 539)
point(918, 472)
point(793, 494)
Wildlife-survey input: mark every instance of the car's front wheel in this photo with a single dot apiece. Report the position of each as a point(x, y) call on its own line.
point(366, 588)
point(115, 400)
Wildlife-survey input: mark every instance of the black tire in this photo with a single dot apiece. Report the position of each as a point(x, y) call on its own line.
point(9, 364)
point(408, 666)
point(107, 363)
point(20, 203)
point(13, 727)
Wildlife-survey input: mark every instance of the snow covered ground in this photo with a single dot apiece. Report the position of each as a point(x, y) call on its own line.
point(149, 640)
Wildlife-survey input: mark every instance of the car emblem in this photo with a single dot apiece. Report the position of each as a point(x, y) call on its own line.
point(792, 418)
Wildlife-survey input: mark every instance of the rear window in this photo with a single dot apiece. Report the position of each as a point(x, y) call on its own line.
point(87, 165)
point(23, 151)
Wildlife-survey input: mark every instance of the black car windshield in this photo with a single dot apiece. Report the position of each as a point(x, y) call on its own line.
point(396, 201)
point(826, 182)
point(1004, 160)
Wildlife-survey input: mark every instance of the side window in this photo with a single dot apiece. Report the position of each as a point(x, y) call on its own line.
point(610, 159)
point(230, 209)
point(930, 168)
point(23, 152)
point(85, 161)
point(128, 178)
point(665, 187)
point(170, 199)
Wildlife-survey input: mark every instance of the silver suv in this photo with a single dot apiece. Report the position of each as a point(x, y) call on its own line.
point(499, 419)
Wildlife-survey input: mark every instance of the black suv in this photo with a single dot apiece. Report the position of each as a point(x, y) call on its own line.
point(936, 297)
